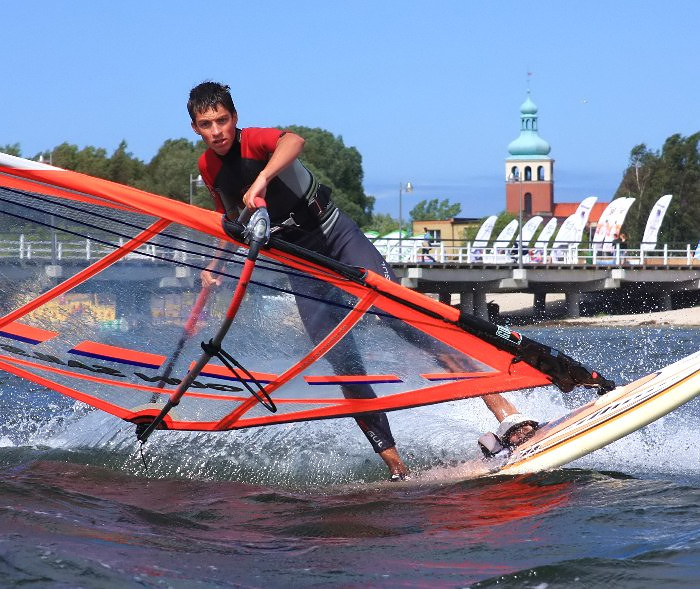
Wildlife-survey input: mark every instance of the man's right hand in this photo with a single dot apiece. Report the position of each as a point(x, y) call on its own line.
point(209, 279)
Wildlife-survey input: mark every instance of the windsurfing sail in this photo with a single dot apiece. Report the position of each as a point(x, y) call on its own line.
point(82, 255)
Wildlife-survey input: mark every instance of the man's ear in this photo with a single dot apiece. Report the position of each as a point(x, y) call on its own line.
point(194, 128)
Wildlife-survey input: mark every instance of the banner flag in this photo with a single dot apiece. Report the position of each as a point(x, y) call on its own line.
point(651, 231)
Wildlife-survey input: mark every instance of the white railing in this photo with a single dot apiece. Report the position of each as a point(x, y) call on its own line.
point(408, 251)
point(23, 249)
point(453, 252)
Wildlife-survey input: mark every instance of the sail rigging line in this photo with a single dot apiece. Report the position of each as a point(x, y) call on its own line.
point(281, 266)
point(270, 264)
point(86, 273)
point(262, 395)
point(104, 230)
point(27, 185)
point(257, 234)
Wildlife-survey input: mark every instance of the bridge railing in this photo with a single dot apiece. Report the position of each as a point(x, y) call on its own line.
point(408, 251)
point(412, 251)
point(26, 250)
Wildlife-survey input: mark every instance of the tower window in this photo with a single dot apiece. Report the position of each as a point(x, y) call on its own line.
point(528, 173)
point(540, 173)
point(527, 204)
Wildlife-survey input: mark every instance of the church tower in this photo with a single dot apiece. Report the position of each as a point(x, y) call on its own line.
point(529, 169)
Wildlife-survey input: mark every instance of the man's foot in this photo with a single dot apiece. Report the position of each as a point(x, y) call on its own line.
point(512, 431)
point(398, 477)
point(490, 445)
point(397, 469)
point(516, 429)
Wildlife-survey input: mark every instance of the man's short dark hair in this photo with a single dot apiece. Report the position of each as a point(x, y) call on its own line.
point(209, 95)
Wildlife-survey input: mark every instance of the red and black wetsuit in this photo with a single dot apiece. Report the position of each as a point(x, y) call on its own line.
point(317, 225)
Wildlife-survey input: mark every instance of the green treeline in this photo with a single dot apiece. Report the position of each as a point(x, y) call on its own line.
point(651, 174)
point(173, 170)
point(675, 169)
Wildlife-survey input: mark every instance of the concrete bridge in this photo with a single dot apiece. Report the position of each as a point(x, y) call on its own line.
point(473, 283)
point(450, 272)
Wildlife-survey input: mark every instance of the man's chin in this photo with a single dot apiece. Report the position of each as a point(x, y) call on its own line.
point(221, 148)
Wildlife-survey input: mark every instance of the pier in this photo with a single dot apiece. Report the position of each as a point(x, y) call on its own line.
point(453, 272)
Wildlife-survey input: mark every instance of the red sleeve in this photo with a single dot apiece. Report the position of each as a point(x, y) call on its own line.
point(258, 143)
point(209, 166)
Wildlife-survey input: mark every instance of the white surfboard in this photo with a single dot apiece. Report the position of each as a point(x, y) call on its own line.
point(606, 419)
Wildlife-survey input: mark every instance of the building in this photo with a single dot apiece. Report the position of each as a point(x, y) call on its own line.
point(529, 174)
point(529, 169)
point(448, 229)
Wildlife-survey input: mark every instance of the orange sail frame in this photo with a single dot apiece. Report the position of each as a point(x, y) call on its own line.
point(439, 321)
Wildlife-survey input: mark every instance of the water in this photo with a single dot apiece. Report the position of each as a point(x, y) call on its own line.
point(306, 505)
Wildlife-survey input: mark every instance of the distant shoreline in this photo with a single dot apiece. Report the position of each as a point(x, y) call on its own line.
point(516, 308)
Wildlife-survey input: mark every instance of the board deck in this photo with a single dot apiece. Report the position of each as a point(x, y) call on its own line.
point(606, 419)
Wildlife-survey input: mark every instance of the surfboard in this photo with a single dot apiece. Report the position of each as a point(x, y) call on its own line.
point(606, 419)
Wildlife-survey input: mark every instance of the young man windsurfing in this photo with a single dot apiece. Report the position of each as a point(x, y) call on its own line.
point(242, 166)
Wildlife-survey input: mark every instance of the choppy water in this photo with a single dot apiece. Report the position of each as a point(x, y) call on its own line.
point(306, 505)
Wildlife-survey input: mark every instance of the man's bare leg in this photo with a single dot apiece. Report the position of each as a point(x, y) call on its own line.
point(499, 406)
point(394, 463)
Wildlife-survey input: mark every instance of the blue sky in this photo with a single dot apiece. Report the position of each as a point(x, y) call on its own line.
point(426, 91)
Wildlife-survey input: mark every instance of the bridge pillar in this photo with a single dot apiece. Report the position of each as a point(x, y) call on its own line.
point(480, 308)
point(573, 304)
point(466, 302)
point(539, 306)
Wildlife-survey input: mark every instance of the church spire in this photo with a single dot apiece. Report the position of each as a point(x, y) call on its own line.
point(529, 144)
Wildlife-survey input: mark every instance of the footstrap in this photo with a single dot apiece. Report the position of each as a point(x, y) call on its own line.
point(511, 423)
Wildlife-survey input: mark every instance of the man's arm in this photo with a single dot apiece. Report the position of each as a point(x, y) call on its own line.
point(289, 147)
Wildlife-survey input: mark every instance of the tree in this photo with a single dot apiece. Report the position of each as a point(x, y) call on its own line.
point(382, 224)
point(11, 149)
point(89, 160)
point(432, 210)
point(168, 173)
point(649, 175)
point(124, 168)
point(338, 167)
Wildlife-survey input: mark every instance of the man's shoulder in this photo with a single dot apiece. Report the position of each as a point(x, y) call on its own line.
point(257, 133)
point(258, 142)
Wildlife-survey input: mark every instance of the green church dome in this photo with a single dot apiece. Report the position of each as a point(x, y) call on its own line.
point(528, 107)
point(529, 144)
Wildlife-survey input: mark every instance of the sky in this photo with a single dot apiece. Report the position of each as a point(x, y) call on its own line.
point(428, 92)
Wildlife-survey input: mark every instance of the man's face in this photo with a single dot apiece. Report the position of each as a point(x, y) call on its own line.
point(217, 128)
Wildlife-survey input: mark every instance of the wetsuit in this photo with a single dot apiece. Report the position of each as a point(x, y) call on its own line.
point(318, 225)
